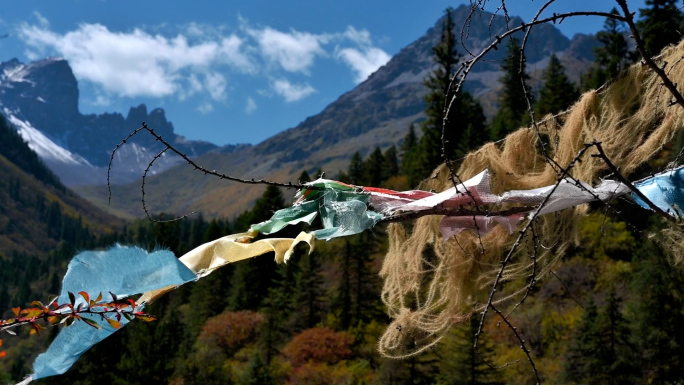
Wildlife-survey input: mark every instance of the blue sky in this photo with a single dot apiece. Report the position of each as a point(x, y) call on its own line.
point(231, 71)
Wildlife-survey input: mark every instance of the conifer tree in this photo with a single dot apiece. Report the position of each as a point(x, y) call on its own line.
point(466, 120)
point(342, 301)
point(558, 93)
point(660, 25)
point(619, 359)
point(656, 316)
point(391, 163)
point(304, 177)
point(306, 297)
point(356, 174)
point(612, 56)
point(446, 58)
point(374, 168)
point(197, 231)
point(512, 103)
point(584, 363)
point(271, 201)
point(253, 278)
point(277, 308)
point(460, 364)
point(472, 122)
point(410, 157)
point(214, 231)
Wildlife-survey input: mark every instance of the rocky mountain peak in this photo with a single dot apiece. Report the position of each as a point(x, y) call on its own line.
point(45, 87)
point(41, 99)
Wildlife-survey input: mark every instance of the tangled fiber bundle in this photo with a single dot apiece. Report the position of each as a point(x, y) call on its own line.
point(429, 285)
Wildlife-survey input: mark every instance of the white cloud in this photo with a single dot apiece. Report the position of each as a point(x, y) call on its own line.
point(42, 21)
point(200, 60)
point(361, 37)
point(294, 51)
point(216, 85)
point(251, 106)
point(292, 92)
point(363, 61)
point(136, 63)
point(365, 58)
point(205, 108)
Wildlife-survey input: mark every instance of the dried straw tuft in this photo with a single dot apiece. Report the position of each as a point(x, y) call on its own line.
point(429, 286)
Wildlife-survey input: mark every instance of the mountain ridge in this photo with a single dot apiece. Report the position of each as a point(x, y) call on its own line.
point(41, 100)
point(377, 112)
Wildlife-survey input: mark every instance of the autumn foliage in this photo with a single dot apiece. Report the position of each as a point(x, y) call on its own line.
point(322, 345)
point(230, 330)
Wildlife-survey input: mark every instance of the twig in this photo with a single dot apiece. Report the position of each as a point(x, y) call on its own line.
point(142, 188)
point(629, 184)
point(566, 289)
point(459, 212)
point(629, 19)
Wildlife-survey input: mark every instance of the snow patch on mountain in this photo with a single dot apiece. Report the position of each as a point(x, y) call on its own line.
point(42, 145)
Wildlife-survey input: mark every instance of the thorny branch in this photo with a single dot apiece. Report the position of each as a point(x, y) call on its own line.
point(454, 212)
point(454, 87)
point(452, 93)
point(54, 314)
point(189, 161)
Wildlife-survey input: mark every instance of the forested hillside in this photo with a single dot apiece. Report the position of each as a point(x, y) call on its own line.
point(609, 312)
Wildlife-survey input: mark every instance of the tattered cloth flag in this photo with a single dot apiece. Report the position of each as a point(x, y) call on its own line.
point(665, 190)
point(122, 271)
point(344, 210)
point(127, 271)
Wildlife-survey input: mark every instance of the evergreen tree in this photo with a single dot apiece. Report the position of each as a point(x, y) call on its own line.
point(656, 316)
point(374, 168)
point(253, 277)
point(612, 56)
point(391, 163)
point(459, 363)
point(446, 58)
point(512, 103)
point(619, 359)
point(584, 361)
point(277, 309)
point(304, 177)
point(307, 301)
point(558, 93)
point(660, 25)
point(258, 372)
point(466, 120)
point(356, 174)
point(342, 301)
point(472, 122)
point(410, 157)
point(271, 201)
point(214, 231)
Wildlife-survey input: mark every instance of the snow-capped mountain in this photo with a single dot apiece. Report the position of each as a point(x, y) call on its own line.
point(41, 100)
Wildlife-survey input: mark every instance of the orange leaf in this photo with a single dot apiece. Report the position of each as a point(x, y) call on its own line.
point(114, 323)
point(85, 296)
point(2, 354)
point(16, 311)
